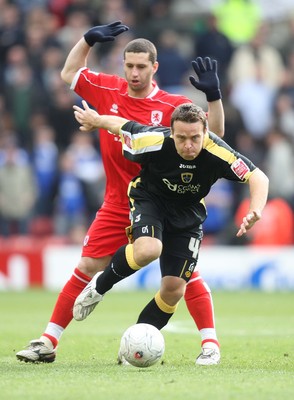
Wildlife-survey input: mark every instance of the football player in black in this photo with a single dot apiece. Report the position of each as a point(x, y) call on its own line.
point(179, 166)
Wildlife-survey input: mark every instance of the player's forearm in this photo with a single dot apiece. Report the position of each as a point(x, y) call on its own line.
point(216, 117)
point(258, 184)
point(76, 59)
point(110, 123)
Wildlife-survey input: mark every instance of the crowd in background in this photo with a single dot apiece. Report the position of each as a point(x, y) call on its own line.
point(51, 174)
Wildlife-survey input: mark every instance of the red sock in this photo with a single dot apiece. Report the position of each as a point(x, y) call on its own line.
point(210, 341)
point(52, 339)
point(62, 313)
point(199, 302)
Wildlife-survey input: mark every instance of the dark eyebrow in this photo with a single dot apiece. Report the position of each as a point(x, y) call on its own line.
point(138, 65)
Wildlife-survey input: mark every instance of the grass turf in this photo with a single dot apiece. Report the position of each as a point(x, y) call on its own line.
point(255, 329)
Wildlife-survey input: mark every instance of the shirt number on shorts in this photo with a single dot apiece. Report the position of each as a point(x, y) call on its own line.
point(194, 246)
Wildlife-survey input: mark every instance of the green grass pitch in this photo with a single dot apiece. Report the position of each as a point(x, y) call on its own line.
point(255, 329)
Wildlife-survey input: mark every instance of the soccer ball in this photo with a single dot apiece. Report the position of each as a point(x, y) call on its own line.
point(142, 345)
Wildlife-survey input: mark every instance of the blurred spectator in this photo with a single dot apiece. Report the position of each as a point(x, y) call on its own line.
point(40, 17)
point(11, 32)
point(90, 8)
point(45, 164)
point(15, 58)
point(257, 58)
point(215, 44)
point(112, 60)
point(109, 11)
point(58, 8)
point(254, 99)
point(17, 189)
point(287, 45)
point(22, 96)
point(88, 168)
point(9, 142)
point(35, 41)
point(238, 19)
point(39, 32)
point(276, 228)
point(5, 117)
point(70, 205)
point(255, 74)
point(233, 124)
point(279, 164)
point(287, 86)
point(158, 19)
point(76, 24)
point(26, 5)
point(115, 10)
point(246, 144)
point(169, 54)
point(284, 102)
point(284, 106)
point(76, 234)
point(60, 113)
point(219, 204)
point(51, 62)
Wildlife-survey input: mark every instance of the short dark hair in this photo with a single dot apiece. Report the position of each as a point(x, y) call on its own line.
point(142, 46)
point(189, 112)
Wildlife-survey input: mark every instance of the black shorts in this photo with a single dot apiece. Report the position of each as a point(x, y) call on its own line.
point(177, 228)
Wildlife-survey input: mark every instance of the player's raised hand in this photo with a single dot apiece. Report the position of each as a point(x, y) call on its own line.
point(104, 33)
point(248, 222)
point(208, 81)
point(86, 116)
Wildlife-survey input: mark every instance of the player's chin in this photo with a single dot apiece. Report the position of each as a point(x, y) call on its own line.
point(188, 157)
point(135, 85)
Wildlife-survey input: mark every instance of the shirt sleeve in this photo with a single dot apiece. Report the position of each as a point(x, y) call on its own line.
point(139, 141)
point(241, 169)
point(232, 165)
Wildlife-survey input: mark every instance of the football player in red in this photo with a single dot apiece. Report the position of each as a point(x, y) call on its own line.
point(135, 97)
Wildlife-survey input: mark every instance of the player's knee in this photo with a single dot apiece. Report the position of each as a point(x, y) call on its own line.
point(146, 250)
point(90, 266)
point(172, 289)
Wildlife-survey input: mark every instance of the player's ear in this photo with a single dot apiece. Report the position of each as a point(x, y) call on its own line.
point(155, 67)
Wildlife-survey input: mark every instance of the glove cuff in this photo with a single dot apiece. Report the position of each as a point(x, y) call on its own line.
point(213, 95)
point(88, 39)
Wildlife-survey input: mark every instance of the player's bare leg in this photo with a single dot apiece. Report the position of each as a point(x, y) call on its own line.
point(44, 348)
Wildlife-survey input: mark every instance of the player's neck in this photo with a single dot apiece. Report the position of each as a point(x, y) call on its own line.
point(141, 94)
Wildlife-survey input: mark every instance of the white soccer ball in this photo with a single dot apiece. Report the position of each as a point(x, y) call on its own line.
point(142, 345)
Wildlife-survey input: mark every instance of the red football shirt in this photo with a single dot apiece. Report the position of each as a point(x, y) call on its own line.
point(108, 95)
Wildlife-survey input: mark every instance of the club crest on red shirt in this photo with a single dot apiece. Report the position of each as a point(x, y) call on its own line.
point(156, 117)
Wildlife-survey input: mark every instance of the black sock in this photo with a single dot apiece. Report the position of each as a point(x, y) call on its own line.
point(153, 315)
point(117, 270)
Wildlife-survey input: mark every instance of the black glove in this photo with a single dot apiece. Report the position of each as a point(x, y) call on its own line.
point(104, 33)
point(208, 81)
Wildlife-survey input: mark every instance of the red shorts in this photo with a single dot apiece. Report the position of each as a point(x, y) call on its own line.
point(107, 232)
